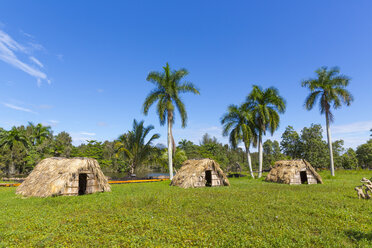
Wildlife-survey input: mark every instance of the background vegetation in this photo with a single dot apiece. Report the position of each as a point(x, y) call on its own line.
point(23, 147)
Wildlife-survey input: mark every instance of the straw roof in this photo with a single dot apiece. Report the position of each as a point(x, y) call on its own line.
point(284, 170)
point(192, 172)
point(51, 176)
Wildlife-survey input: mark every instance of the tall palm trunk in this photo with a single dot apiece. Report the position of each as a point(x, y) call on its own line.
point(330, 146)
point(260, 155)
point(249, 161)
point(12, 165)
point(170, 162)
point(132, 169)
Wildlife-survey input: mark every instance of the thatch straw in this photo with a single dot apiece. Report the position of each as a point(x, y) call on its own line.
point(284, 170)
point(191, 172)
point(52, 175)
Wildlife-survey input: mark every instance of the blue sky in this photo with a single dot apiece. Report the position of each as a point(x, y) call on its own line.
point(80, 66)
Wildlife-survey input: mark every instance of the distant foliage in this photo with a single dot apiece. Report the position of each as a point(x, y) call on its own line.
point(364, 154)
point(21, 149)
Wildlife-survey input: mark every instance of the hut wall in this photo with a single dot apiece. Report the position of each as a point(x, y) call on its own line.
point(92, 184)
point(296, 179)
point(216, 181)
point(310, 178)
point(72, 187)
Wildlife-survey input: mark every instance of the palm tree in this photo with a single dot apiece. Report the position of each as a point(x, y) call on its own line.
point(168, 87)
point(39, 133)
point(10, 139)
point(265, 106)
point(133, 144)
point(239, 126)
point(329, 88)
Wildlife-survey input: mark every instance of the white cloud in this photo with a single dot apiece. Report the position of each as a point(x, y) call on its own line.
point(8, 105)
point(26, 34)
point(88, 134)
point(81, 137)
point(100, 90)
point(355, 127)
point(33, 59)
point(102, 124)
point(8, 50)
point(45, 106)
point(60, 57)
point(53, 123)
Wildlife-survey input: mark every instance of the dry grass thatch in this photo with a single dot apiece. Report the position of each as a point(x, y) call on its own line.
point(285, 170)
point(192, 174)
point(60, 176)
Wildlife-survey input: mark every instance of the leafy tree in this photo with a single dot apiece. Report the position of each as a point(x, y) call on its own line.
point(330, 88)
point(134, 146)
point(349, 159)
point(364, 154)
point(168, 87)
point(207, 139)
point(313, 147)
point(62, 145)
point(238, 124)
point(12, 139)
point(265, 106)
point(291, 143)
point(191, 150)
point(179, 157)
point(272, 152)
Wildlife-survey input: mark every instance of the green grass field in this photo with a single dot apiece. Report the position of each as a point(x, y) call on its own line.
point(249, 213)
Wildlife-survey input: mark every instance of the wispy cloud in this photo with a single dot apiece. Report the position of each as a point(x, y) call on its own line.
point(353, 134)
point(87, 133)
point(354, 127)
point(100, 90)
point(102, 124)
point(81, 137)
point(8, 105)
point(53, 123)
point(60, 57)
point(45, 106)
point(26, 34)
point(36, 61)
point(8, 50)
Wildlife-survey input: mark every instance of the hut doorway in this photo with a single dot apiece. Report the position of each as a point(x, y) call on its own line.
point(303, 176)
point(208, 178)
point(82, 183)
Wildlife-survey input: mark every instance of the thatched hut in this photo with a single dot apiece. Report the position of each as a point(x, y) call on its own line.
point(200, 173)
point(293, 172)
point(62, 176)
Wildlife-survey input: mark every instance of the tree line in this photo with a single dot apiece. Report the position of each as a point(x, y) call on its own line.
point(24, 146)
point(247, 124)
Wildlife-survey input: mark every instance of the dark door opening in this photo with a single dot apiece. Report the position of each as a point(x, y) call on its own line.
point(82, 183)
point(208, 178)
point(303, 176)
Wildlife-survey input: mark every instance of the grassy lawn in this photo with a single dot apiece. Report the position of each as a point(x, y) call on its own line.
point(249, 213)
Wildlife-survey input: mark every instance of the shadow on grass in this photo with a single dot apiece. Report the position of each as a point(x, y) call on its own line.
point(358, 235)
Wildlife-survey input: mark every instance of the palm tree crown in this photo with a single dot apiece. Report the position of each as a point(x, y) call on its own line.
point(168, 88)
point(133, 144)
point(238, 125)
point(265, 106)
point(329, 87)
point(39, 133)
